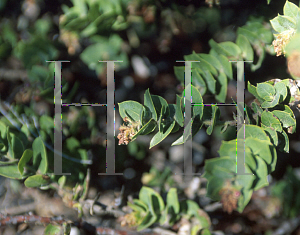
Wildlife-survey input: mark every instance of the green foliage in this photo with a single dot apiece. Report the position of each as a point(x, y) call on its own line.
point(215, 69)
point(150, 208)
point(288, 21)
point(156, 178)
point(90, 19)
point(268, 119)
point(52, 229)
point(267, 126)
point(288, 28)
point(289, 199)
point(33, 160)
point(168, 116)
point(26, 155)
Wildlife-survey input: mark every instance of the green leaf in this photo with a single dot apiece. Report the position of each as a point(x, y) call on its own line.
point(283, 23)
point(148, 220)
point(252, 37)
point(162, 134)
point(246, 196)
point(25, 130)
point(284, 118)
point(258, 110)
point(141, 204)
point(268, 1)
point(244, 44)
point(130, 109)
point(253, 90)
point(178, 111)
point(10, 171)
point(265, 35)
point(214, 185)
point(143, 115)
point(271, 104)
point(290, 9)
point(72, 145)
point(52, 230)
point(218, 48)
point(15, 146)
point(282, 90)
point(185, 135)
point(38, 73)
point(192, 209)
point(37, 181)
point(266, 91)
point(179, 73)
point(62, 181)
point(226, 148)
point(204, 65)
point(152, 199)
point(47, 123)
point(3, 136)
point(161, 118)
point(211, 60)
point(136, 207)
point(260, 148)
point(274, 162)
point(287, 109)
point(232, 48)
point(215, 114)
point(145, 193)
point(210, 80)
point(198, 81)
point(27, 155)
point(196, 96)
point(160, 102)
point(226, 66)
point(269, 120)
point(197, 103)
point(225, 163)
point(4, 163)
point(95, 52)
point(249, 115)
point(283, 142)
point(293, 45)
point(261, 173)
point(228, 49)
point(272, 134)
point(252, 131)
point(172, 201)
point(195, 229)
point(250, 160)
point(40, 159)
point(148, 103)
point(146, 129)
point(223, 88)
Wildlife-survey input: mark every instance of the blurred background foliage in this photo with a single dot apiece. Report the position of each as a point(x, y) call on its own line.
point(149, 36)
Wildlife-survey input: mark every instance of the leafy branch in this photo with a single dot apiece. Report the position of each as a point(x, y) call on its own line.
point(268, 120)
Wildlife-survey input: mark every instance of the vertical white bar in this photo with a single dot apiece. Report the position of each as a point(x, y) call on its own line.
point(58, 121)
point(110, 127)
point(187, 145)
point(240, 95)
